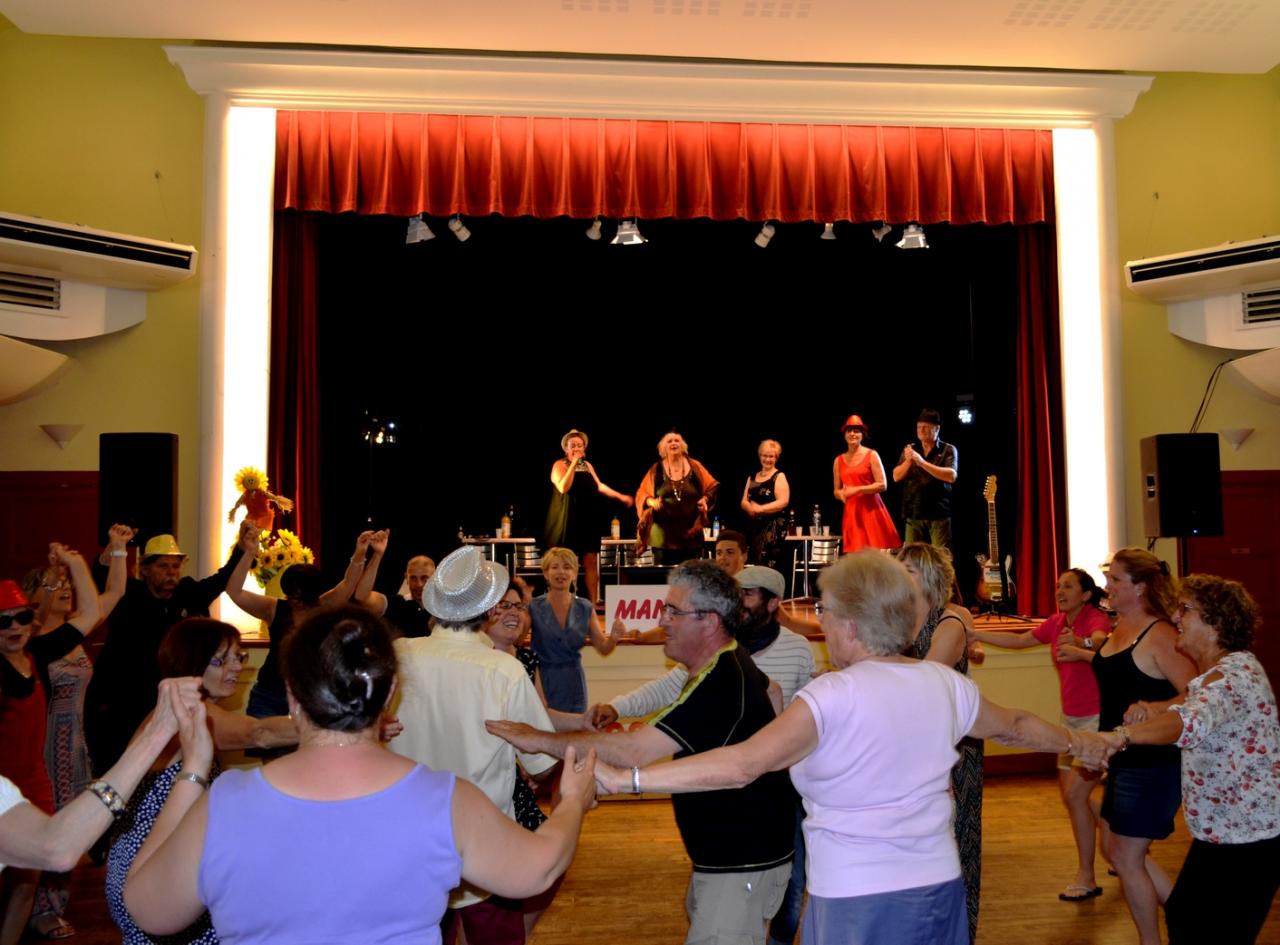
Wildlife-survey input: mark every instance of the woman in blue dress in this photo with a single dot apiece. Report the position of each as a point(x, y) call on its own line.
point(562, 624)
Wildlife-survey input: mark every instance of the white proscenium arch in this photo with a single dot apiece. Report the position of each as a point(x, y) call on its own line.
point(244, 86)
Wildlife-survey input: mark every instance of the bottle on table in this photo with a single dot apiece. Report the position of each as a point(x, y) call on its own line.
point(817, 520)
point(506, 526)
point(615, 528)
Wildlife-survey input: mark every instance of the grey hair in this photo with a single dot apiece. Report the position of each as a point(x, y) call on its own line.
point(875, 592)
point(710, 589)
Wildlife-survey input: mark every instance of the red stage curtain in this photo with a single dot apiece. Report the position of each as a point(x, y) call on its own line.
point(404, 164)
point(1042, 531)
point(293, 425)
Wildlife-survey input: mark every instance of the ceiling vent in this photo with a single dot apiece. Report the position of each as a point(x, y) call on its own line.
point(35, 292)
point(1201, 273)
point(1261, 308)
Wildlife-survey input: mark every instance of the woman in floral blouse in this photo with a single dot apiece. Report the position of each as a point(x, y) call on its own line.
point(1227, 728)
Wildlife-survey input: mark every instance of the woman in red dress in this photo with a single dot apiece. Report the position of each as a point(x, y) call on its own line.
point(859, 480)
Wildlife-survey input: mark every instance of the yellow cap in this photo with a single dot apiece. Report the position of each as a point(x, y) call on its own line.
point(162, 545)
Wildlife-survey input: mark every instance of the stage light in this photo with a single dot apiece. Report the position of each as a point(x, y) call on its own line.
point(913, 238)
point(881, 231)
point(828, 231)
point(628, 234)
point(593, 231)
point(965, 415)
point(459, 229)
point(418, 231)
point(765, 234)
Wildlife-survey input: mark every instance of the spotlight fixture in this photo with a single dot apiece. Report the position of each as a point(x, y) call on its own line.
point(913, 238)
point(765, 234)
point(378, 432)
point(459, 229)
point(628, 234)
point(881, 231)
point(418, 231)
point(828, 231)
point(965, 415)
point(593, 231)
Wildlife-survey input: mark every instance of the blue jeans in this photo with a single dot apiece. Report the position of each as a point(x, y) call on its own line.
point(782, 930)
point(925, 915)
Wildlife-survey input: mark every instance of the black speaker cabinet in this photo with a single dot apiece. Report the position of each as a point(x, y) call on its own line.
point(138, 483)
point(1181, 485)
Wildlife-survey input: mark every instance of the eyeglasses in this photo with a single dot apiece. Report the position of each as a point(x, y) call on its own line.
point(220, 661)
point(818, 608)
point(506, 606)
point(22, 618)
point(671, 612)
point(1187, 607)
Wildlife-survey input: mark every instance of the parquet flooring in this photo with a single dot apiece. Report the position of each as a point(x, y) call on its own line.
point(627, 882)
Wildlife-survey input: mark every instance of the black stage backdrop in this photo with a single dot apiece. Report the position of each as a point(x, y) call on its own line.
point(484, 353)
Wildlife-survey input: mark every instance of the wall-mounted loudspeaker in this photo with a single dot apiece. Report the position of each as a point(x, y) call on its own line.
point(1181, 485)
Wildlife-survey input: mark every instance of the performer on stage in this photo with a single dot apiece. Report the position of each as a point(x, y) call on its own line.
point(674, 502)
point(929, 468)
point(765, 499)
point(573, 518)
point(859, 480)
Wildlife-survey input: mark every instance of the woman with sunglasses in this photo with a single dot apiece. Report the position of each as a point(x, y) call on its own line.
point(24, 683)
point(209, 649)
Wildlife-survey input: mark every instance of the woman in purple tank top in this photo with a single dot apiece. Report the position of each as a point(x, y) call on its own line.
point(297, 851)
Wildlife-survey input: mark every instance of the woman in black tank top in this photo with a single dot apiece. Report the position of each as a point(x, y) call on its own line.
point(1139, 663)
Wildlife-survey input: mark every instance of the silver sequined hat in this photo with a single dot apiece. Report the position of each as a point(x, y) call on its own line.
point(465, 585)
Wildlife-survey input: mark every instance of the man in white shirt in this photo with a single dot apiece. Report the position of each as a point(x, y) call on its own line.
point(450, 682)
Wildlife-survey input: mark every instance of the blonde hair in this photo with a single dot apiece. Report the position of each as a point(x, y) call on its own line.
point(663, 453)
point(875, 592)
point(559, 554)
point(777, 447)
point(936, 571)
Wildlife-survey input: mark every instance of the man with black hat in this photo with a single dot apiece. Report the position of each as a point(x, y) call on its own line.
point(450, 682)
point(125, 675)
point(928, 467)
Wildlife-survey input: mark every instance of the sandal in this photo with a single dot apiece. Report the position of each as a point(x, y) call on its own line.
point(57, 929)
point(1078, 893)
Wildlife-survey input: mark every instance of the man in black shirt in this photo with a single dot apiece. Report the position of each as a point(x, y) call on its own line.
point(740, 841)
point(125, 675)
point(928, 467)
point(407, 615)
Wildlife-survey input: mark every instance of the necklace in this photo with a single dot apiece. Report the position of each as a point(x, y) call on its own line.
point(671, 478)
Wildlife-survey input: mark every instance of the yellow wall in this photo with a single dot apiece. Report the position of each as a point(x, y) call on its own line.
point(86, 124)
point(1209, 145)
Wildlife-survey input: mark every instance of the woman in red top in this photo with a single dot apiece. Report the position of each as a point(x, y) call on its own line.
point(859, 480)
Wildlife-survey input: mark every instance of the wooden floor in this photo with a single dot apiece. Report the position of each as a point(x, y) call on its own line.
point(627, 883)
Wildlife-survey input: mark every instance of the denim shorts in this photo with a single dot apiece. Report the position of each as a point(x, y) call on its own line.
point(1141, 802)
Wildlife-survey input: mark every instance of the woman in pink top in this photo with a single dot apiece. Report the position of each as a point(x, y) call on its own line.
point(871, 749)
point(1073, 634)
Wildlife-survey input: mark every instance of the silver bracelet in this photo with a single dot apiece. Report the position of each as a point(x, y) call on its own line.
point(109, 797)
point(635, 779)
point(119, 553)
point(193, 778)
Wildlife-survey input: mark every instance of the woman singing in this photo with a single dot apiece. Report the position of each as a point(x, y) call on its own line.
point(673, 502)
point(573, 517)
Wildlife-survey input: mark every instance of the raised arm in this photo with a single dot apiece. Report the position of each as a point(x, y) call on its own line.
point(30, 839)
point(209, 589)
point(253, 604)
point(88, 615)
point(118, 538)
point(603, 643)
point(353, 577)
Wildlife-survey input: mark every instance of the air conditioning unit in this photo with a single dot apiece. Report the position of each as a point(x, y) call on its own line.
point(62, 281)
point(1226, 296)
point(83, 254)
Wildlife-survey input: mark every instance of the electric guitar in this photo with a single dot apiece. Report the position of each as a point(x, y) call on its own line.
point(994, 579)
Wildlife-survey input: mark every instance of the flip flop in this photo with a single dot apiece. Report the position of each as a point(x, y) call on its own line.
point(1078, 893)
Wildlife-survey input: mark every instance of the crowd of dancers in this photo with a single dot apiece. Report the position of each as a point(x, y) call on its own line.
point(410, 742)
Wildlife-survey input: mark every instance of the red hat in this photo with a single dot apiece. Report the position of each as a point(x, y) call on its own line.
point(854, 421)
point(11, 596)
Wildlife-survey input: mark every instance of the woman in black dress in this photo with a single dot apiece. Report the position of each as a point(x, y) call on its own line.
point(573, 518)
point(765, 500)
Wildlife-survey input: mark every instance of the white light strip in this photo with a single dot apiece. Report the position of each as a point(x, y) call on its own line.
point(250, 138)
point(1089, 400)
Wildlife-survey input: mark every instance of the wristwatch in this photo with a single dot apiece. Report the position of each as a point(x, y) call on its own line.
point(1087, 643)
